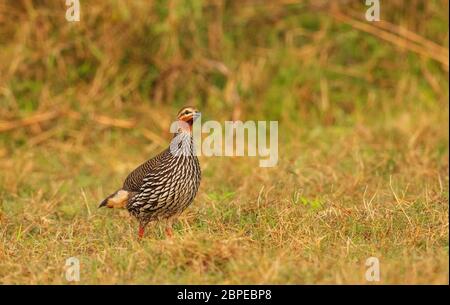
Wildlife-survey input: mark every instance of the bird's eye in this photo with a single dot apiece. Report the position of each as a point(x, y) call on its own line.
point(186, 112)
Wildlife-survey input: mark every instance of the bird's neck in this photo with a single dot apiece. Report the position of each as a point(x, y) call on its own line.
point(182, 144)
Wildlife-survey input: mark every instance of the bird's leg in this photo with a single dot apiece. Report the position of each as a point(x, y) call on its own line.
point(169, 232)
point(141, 232)
point(169, 229)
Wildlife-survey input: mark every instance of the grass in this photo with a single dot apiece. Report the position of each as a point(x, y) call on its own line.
point(363, 141)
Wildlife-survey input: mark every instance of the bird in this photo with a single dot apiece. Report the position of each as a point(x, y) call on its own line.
point(162, 187)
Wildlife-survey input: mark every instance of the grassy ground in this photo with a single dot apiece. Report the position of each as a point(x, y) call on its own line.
point(363, 168)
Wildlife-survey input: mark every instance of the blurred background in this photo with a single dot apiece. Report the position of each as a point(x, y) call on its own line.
point(362, 110)
point(308, 61)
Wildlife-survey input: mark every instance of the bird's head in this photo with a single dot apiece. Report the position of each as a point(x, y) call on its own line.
point(187, 115)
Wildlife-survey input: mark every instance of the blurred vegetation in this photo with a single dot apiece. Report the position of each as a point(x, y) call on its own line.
point(362, 106)
point(275, 59)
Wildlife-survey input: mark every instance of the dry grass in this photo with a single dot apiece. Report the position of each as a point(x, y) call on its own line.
point(363, 167)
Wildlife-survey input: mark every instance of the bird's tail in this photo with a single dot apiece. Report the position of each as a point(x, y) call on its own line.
point(116, 200)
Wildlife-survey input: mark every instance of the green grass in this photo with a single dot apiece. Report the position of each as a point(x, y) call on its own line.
point(363, 142)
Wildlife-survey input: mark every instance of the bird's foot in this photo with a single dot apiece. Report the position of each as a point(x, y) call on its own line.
point(169, 232)
point(141, 232)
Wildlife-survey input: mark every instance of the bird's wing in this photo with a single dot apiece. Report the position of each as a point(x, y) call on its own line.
point(135, 179)
point(156, 189)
